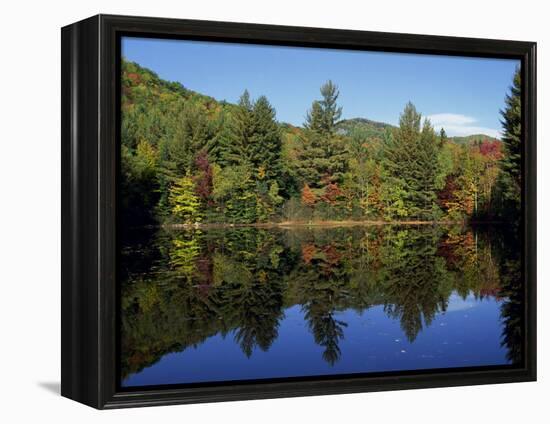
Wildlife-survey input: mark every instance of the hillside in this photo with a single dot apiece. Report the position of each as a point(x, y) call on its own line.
point(472, 139)
point(375, 129)
point(143, 86)
point(187, 157)
point(367, 127)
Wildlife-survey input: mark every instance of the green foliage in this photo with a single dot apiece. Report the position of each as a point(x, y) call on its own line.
point(322, 155)
point(139, 182)
point(470, 140)
point(184, 203)
point(234, 192)
point(184, 254)
point(371, 130)
point(325, 113)
point(321, 159)
point(238, 282)
point(442, 137)
point(245, 167)
point(410, 163)
point(508, 187)
point(265, 142)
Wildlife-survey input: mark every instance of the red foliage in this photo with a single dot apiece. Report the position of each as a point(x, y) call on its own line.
point(447, 194)
point(203, 181)
point(491, 149)
point(332, 255)
point(134, 77)
point(332, 193)
point(205, 271)
point(308, 196)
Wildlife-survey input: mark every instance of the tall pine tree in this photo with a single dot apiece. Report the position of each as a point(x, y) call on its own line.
point(508, 186)
point(238, 137)
point(322, 158)
point(265, 141)
point(410, 164)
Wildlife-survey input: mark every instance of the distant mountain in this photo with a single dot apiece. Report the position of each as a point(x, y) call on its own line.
point(144, 86)
point(368, 127)
point(376, 129)
point(470, 139)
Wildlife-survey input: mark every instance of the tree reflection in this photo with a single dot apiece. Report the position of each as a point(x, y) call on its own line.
point(322, 289)
point(192, 285)
point(414, 280)
point(512, 310)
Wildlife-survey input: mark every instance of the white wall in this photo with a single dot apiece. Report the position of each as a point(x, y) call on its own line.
point(30, 197)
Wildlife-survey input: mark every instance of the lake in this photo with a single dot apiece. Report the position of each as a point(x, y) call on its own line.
point(246, 303)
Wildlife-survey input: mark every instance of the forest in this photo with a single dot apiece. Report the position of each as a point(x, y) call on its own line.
point(190, 159)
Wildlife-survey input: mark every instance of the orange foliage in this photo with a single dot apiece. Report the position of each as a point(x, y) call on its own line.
point(134, 77)
point(308, 197)
point(308, 252)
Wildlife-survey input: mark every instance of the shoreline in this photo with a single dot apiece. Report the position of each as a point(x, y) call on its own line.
point(323, 224)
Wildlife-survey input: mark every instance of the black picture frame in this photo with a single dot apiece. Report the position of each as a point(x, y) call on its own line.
point(89, 131)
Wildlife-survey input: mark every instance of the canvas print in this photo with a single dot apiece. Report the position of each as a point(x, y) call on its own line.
point(295, 212)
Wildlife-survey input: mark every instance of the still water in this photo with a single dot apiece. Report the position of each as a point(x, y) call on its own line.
point(225, 304)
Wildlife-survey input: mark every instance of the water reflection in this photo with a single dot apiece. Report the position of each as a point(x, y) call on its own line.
point(316, 301)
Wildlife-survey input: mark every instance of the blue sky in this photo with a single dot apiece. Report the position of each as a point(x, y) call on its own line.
point(464, 95)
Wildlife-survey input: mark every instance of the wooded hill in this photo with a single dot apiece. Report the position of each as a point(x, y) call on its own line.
point(187, 158)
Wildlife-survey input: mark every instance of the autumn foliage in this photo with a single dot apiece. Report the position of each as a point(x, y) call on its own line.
point(332, 193)
point(203, 179)
point(244, 166)
point(308, 197)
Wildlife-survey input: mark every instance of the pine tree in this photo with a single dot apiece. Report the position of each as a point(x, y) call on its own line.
point(325, 113)
point(322, 158)
point(315, 118)
point(411, 165)
point(509, 181)
point(265, 142)
point(220, 146)
point(427, 169)
point(442, 137)
point(239, 134)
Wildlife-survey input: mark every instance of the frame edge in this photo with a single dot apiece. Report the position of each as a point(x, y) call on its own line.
point(88, 202)
point(80, 339)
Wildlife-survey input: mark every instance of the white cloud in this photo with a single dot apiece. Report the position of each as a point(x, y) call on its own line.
point(460, 125)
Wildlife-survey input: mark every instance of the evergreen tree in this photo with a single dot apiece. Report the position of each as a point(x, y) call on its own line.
point(233, 189)
point(191, 134)
point(315, 118)
point(139, 182)
point(239, 135)
point(509, 182)
point(322, 159)
point(325, 113)
point(220, 146)
point(410, 164)
point(426, 171)
point(442, 137)
point(247, 167)
point(265, 142)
